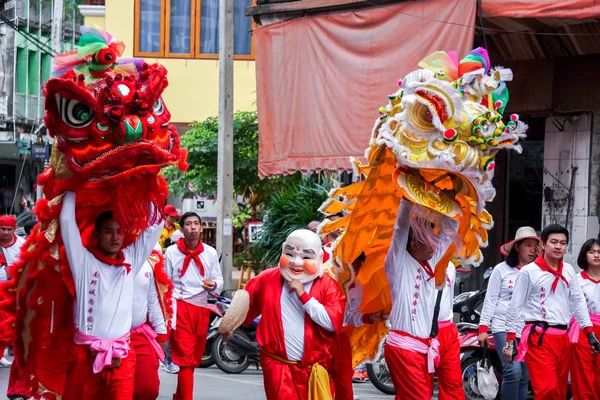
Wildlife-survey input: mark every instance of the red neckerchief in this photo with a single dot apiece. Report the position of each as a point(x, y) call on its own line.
point(191, 255)
point(2, 260)
point(118, 261)
point(14, 241)
point(427, 268)
point(541, 262)
point(585, 275)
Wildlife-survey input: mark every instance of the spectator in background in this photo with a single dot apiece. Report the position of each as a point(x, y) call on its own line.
point(171, 226)
point(519, 252)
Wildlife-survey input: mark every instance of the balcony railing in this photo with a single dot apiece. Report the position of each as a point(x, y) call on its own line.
point(32, 108)
point(28, 108)
point(19, 109)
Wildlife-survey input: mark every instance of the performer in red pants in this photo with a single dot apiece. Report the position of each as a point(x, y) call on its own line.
point(585, 367)
point(194, 269)
point(412, 350)
point(302, 311)
point(104, 285)
point(547, 293)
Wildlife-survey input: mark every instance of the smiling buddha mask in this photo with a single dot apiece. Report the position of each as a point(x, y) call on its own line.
point(301, 256)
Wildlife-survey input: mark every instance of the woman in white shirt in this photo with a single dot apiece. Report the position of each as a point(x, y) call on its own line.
point(520, 252)
point(585, 366)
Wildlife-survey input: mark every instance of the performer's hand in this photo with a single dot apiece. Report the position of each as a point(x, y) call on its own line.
point(377, 317)
point(507, 351)
point(593, 341)
point(163, 346)
point(208, 285)
point(226, 336)
point(298, 286)
point(482, 338)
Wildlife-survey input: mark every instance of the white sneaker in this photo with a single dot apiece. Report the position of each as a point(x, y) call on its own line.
point(173, 369)
point(4, 362)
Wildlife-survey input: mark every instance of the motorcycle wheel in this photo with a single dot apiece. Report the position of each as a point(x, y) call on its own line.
point(227, 359)
point(469, 378)
point(207, 358)
point(380, 376)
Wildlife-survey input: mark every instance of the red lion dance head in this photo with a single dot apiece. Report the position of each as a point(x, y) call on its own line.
point(111, 138)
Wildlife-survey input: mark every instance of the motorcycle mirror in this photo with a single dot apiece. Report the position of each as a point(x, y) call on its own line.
point(487, 273)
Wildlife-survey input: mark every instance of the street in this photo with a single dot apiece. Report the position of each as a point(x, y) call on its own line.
point(213, 384)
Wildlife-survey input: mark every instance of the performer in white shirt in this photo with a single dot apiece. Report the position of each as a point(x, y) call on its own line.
point(194, 269)
point(11, 243)
point(10, 248)
point(520, 252)
point(410, 350)
point(104, 285)
point(341, 351)
point(585, 367)
point(149, 328)
point(547, 292)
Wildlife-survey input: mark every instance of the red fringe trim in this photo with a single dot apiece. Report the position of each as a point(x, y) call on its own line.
point(162, 278)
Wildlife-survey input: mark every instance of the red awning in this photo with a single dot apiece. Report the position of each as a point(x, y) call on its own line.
point(321, 79)
point(576, 9)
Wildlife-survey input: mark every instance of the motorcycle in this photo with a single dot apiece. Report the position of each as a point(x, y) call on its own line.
point(236, 355)
point(218, 305)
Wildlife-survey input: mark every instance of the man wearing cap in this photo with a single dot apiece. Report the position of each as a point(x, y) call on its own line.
point(11, 243)
point(171, 225)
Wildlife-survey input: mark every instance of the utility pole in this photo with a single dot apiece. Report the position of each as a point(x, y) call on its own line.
point(225, 153)
point(57, 19)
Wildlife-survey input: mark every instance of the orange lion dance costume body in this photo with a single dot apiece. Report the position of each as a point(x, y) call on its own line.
point(111, 138)
point(432, 147)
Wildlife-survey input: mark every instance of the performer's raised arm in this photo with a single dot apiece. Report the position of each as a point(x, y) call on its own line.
point(71, 235)
point(400, 236)
point(141, 248)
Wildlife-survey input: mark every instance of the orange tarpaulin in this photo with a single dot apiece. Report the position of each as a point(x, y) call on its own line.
point(321, 79)
point(577, 9)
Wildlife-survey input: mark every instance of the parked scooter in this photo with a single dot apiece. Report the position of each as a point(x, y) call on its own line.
point(236, 355)
point(218, 305)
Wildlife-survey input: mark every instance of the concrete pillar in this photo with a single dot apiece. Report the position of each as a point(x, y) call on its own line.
point(567, 164)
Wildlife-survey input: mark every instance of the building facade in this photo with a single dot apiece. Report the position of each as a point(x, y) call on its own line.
point(26, 59)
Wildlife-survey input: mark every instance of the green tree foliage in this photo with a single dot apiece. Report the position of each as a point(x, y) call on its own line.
point(202, 144)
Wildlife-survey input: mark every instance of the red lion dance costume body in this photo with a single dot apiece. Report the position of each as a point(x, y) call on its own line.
point(111, 138)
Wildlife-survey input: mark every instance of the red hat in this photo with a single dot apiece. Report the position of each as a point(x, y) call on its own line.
point(8, 220)
point(171, 211)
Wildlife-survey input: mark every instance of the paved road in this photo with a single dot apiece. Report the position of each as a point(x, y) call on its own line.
point(212, 384)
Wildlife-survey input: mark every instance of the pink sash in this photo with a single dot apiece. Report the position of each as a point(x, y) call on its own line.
point(524, 343)
point(106, 349)
point(444, 324)
point(574, 329)
point(145, 330)
point(408, 343)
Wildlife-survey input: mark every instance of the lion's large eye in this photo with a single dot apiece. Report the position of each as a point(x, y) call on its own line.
point(74, 113)
point(158, 108)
